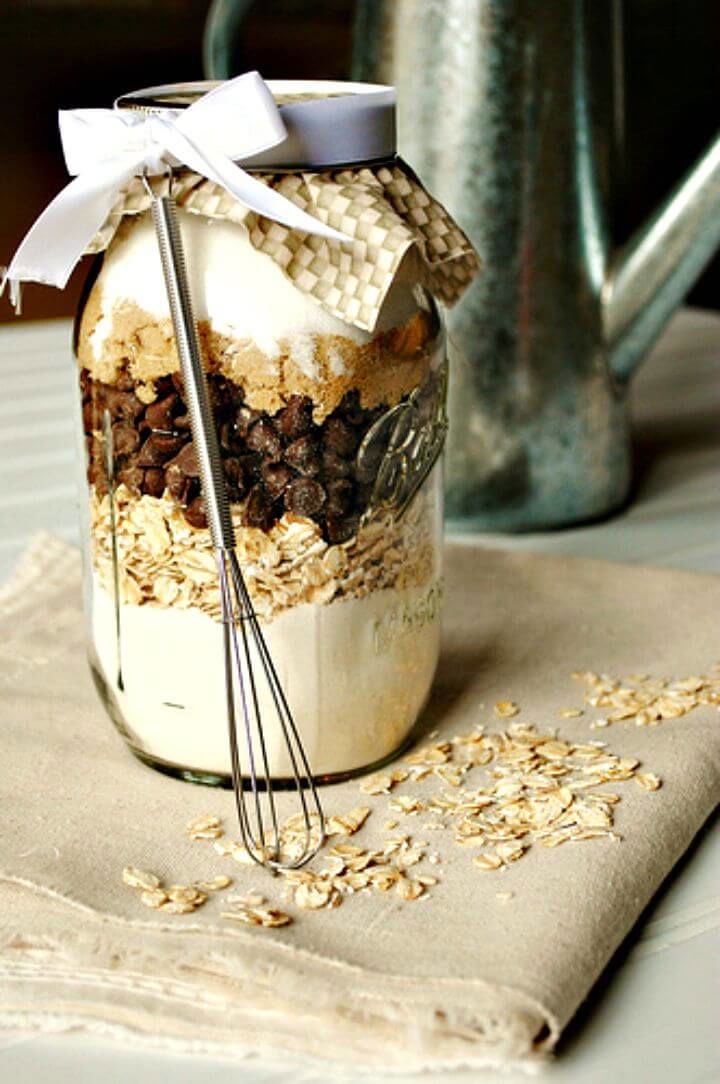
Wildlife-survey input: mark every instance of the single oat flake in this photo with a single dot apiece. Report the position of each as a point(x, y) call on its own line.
point(139, 878)
point(505, 709)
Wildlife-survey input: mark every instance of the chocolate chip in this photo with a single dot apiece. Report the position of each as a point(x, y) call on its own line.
point(164, 386)
point(154, 482)
point(168, 443)
point(186, 460)
point(132, 477)
point(195, 513)
point(263, 437)
point(304, 497)
point(335, 466)
point(223, 394)
point(341, 494)
point(178, 382)
point(315, 475)
point(126, 440)
point(340, 528)
point(245, 418)
point(349, 407)
point(178, 484)
point(226, 436)
point(124, 382)
point(236, 478)
point(123, 404)
point(251, 464)
point(159, 415)
point(276, 476)
point(303, 455)
point(158, 449)
point(340, 437)
point(295, 420)
point(258, 511)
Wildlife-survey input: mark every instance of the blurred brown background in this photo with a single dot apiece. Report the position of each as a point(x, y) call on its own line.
point(68, 53)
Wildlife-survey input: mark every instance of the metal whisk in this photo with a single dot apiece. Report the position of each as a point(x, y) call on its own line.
point(249, 670)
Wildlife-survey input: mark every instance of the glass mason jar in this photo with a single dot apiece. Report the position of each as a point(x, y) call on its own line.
point(330, 438)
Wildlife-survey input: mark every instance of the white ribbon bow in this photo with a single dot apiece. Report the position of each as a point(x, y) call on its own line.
point(103, 149)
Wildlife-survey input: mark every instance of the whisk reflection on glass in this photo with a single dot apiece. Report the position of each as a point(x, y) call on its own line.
point(252, 683)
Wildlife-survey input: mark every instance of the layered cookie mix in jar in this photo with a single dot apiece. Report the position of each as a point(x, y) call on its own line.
point(327, 374)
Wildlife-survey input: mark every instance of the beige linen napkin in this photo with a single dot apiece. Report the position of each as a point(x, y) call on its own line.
point(463, 976)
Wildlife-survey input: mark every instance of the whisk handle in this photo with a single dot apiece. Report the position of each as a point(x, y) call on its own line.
point(202, 423)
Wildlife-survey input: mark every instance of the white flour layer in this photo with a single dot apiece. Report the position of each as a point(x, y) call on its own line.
point(240, 291)
point(356, 674)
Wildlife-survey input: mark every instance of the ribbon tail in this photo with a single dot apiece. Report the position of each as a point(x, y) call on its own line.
point(54, 244)
point(265, 201)
point(15, 289)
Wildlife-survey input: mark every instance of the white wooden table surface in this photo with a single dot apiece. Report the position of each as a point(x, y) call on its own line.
point(655, 1016)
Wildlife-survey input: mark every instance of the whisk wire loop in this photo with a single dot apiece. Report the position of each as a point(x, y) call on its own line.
point(247, 658)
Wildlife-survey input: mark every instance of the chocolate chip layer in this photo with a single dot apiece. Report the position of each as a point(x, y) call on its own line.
point(273, 463)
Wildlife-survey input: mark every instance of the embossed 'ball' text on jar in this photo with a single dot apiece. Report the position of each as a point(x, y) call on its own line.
point(326, 367)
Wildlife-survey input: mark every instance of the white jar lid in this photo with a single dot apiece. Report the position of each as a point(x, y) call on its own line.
point(329, 124)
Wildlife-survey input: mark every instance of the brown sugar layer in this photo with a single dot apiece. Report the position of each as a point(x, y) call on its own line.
point(323, 367)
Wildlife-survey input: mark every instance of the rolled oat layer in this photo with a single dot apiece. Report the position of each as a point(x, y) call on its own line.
point(166, 562)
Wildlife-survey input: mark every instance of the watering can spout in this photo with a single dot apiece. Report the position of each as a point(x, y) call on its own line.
point(649, 276)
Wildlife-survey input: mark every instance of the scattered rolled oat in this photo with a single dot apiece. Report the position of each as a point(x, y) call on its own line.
point(175, 900)
point(487, 861)
point(347, 823)
point(505, 709)
point(383, 782)
point(153, 897)
point(380, 783)
point(314, 894)
point(539, 789)
point(139, 878)
point(207, 826)
point(407, 889)
point(269, 917)
point(427, 758)
point(179, 907)
point(406, 803)
point(186, 894)
point(645, 699)
point(215, 884)
point(249, 899)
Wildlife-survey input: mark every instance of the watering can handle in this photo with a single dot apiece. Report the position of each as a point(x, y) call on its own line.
point(221, 32)
point(650, 275)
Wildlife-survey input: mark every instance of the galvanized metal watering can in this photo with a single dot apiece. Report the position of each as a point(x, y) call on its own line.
point(509, 111)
